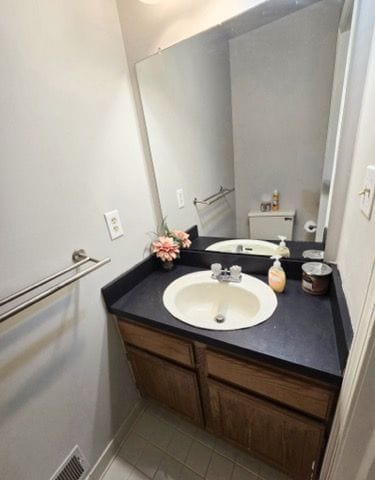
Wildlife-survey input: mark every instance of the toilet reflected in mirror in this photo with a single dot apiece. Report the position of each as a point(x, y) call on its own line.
point(271, 225)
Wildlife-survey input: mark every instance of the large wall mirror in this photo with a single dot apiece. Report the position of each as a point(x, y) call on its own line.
point(246, 108)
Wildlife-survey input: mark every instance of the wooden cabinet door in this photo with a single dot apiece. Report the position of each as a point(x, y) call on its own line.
point(173, 386)
point(287, 440)
point(294, 391)
point(159, 343)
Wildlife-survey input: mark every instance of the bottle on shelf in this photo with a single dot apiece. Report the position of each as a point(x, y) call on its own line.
point(275, 200)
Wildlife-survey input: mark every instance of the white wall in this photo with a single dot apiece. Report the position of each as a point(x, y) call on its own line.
point(186, 101)
point(332, 133)
point(350, 451)
point(146, 28)
point(70, 150)
point(359, 47)
point(356, 253)
point(281, 100)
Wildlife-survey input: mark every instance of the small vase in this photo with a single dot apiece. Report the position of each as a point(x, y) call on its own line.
point(167, 265)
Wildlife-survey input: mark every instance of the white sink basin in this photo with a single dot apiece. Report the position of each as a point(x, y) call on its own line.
point(249, 247)
point(199, 300)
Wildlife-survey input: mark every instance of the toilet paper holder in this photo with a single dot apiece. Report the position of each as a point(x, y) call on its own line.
point(310, 226)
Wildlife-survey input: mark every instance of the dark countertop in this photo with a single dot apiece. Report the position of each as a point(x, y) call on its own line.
point(300, 335)
point(296, 248)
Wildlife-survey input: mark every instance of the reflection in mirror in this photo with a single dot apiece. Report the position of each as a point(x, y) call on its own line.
point(252, 104)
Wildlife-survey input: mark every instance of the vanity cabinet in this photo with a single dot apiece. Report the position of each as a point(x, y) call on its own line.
point(280, 437)
point(281, 417)
point(167, 346)
point(171, 385)
point(296, 392)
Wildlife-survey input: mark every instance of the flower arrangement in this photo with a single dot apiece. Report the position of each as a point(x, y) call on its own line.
point(169, 243)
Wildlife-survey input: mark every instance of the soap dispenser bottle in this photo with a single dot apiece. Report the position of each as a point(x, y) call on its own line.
point(282, 249)
point(276, 275)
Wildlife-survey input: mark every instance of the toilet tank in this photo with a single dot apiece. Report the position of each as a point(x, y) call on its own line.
point(268, 225)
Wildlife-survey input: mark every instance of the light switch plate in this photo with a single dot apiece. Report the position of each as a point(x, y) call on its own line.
point(180, 198)
point(114, 224)
point(367, 193)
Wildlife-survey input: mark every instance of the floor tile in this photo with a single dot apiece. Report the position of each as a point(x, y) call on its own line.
point(179, 445)
point(226, 449)
point(162, 434)
point(163, 414)
point(146, 424)
point(154, 409)
point(169, 417)
point(220, 468)
point(132, 448)
point(173, 419)
point(160, 443)
point(187, 474)
point(205, 437)
point(240, 473)
point(137, 475)
point(186, 427)
point(119, 469)
point(269, 473)
point(199, 458)
point(150, 459)
point(169, 469)
point(249, 462)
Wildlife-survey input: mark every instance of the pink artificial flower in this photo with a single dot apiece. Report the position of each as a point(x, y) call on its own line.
point(166, 249)
point(183, 238)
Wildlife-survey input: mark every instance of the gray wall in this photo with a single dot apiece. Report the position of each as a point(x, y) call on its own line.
point(186, 100)
point(70, 151)
point(281, 100)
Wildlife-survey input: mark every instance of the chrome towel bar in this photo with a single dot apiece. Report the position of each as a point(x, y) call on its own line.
point(215, 197)
point(79, 258)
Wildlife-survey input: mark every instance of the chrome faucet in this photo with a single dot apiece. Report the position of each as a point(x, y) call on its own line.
point(233, 274)
point(239, 248)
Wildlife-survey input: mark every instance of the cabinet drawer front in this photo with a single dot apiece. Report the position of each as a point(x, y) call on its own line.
point(284, 439)
point(295, 392)
point(180, 351)
point(173, 386)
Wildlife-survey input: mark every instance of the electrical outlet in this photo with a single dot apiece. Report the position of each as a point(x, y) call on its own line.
point(367, 194)
point(180, 198)
point(114, 224)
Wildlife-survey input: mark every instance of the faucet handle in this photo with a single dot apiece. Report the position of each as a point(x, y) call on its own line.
point(216, 269)
point(235, 271)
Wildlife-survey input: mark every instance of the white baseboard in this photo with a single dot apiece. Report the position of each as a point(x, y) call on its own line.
point(114, 445)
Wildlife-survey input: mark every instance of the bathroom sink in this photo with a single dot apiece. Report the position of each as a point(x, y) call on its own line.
point(204, 302)
point(247, 246)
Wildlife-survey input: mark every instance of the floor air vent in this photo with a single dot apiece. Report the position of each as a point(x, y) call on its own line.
point(74, 467)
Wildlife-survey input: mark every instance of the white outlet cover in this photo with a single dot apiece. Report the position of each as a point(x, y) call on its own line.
point(114, 226)
point(367, 199)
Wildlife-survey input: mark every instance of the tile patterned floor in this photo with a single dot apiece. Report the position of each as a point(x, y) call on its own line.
point(161, 446)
